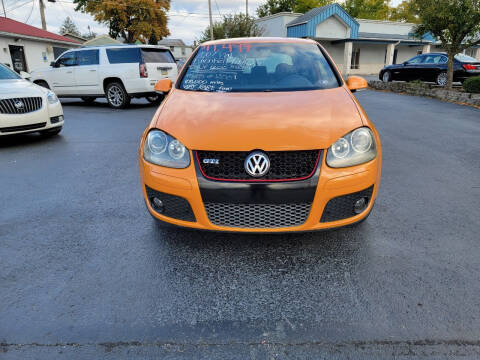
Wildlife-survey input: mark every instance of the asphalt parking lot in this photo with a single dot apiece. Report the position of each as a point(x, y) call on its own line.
point(86, 274)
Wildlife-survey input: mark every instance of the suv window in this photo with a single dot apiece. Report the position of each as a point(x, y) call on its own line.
point(259, 67)
point(87, 57)
point(68, 59)
point(416, 60)
point(151, 55)
point(122, 56)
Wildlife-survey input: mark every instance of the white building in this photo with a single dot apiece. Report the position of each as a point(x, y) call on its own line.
point(177, 47)
point(26, 48)
point(357, 46)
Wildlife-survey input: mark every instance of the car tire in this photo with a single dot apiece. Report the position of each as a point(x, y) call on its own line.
point(441, 79)
point(88, 100)
point(387, 76)
point(117, 96)
point(43, 84)
point(155, 100)
point(52, 132)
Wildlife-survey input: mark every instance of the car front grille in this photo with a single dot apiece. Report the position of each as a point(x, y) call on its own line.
point(284, 165)
point(22, 127)
point(20, 105)
point(258, 215)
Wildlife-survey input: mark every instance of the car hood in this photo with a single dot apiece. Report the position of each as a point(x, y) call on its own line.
point(19, 88)
point(268, 121)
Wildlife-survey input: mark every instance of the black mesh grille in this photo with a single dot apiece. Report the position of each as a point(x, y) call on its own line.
point(22, 127)
point(20, 105)
point(175, 207)
point(257, 215)
point(284, 165)
point(342, 207)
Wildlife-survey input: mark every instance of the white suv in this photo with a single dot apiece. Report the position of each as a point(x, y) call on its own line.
point(117, 72)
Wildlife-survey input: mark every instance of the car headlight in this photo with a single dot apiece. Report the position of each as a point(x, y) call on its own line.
point(52, 98)
point(162, 149)
point(355, 148)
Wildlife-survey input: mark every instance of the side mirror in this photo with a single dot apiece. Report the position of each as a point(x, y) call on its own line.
point(24, 75)
point(355, 83)
point(405, 63)
point(163, 86)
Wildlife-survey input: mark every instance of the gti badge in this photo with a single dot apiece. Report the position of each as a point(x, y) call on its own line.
point(211, 161)
point(257, 164)
point(18, 104)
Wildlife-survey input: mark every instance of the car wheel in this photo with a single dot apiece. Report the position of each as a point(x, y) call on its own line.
point(117, 96)
point(88, 100)
point(155, 99)
point(43, 84)
point(51, 132)
point(387, 76)
point(441, 79)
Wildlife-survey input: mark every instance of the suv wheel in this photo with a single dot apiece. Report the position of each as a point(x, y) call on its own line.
point(43, 84)
point(116, 95)
point(442, 79)
point(155, 99)
point(387, 76)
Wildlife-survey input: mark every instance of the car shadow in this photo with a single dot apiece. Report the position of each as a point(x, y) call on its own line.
point(102, 104)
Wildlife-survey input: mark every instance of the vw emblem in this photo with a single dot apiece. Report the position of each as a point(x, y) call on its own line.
point(19, 104)
point(257, 164)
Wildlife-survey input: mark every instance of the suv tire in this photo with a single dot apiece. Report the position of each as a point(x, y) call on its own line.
point(117, 96)
point(43, 84)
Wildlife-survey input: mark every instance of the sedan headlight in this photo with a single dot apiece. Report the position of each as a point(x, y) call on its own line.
point(162, 149)
point(355, 148)
point(52, 98)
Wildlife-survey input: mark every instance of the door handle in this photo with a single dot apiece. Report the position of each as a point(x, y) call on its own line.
point(68, 72)
point(92, 70)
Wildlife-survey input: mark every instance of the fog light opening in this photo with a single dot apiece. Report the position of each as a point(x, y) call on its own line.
point(157, 204)
point(360, 205)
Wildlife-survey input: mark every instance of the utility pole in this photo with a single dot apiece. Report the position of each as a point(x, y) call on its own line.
point(246, 8)
point(42, 15)
point(4, 12)
point(210, 15)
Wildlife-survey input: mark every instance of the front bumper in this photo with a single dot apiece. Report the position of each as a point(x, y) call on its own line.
point(188, 186)
point(50, 116)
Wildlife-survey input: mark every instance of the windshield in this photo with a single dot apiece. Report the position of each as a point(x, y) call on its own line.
point(465, 58)
point(7, 74)
point(242, 67)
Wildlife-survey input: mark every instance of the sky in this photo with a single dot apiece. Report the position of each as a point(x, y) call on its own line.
point(187, 18)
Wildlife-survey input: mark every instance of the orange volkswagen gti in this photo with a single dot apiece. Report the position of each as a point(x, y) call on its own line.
point(260, 135)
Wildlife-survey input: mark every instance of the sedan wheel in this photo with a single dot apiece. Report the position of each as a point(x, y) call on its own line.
point(387, 76)
point(117, 97)
point(442, 79)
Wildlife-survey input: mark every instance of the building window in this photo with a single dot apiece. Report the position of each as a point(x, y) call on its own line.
point(355, 59)
point(419, 52)
point(183, 51)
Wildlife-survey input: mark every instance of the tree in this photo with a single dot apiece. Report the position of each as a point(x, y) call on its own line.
point(232, 26)
point(367, 9)
point(130, 19)
point(275, 6)
point(303, 6)
point(405, 11)
point(455, 22)
point(69, 26)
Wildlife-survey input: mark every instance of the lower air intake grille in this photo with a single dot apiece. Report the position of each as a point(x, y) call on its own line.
point(257, 215)
point(175, 207)
point(341, 207)
point(22, 127)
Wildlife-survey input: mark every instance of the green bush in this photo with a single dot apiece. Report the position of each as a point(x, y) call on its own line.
point(472, 85)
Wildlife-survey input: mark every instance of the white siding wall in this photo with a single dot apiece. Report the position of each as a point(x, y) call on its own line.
point(177, 52)
point(33, 50)
point(332, 28)
point(275, 25)
point(407, 52)
point(383, 27)
point(335, 51)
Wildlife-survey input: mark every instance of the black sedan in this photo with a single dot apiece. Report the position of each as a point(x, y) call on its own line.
point(431, 67)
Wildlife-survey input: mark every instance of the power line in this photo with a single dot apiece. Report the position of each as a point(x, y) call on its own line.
point(31, 12)
point(19, 6)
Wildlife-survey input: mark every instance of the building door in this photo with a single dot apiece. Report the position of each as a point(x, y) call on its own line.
point(18, 58)
point(395, 54)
